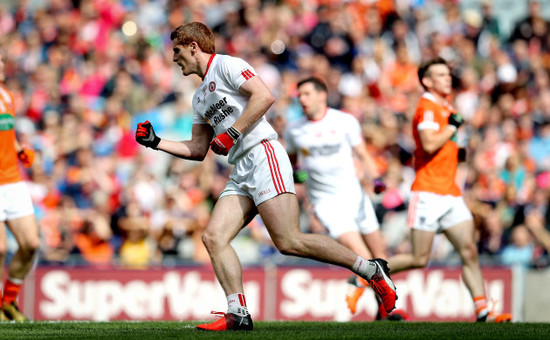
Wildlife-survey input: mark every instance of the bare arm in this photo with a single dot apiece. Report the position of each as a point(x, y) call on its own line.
point(17, 146)
point(433, 140)
point(258, 104)
point(366, 160)
point(194, 149)
point(534, 221)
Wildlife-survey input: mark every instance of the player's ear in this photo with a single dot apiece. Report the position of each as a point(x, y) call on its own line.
point(324, 95)
point(427, 82)
point(194, 47)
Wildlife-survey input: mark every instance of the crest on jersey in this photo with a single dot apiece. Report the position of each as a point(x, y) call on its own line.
point(212, 86)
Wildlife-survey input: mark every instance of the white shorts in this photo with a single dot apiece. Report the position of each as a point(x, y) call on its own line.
point(15, 201)
point(340, 215)
point(262, 173)
point(436, 213)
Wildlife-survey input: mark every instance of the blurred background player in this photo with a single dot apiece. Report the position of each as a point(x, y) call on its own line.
point(325, 143)
point(436, 204)
point(229, 117)
point(16, 210)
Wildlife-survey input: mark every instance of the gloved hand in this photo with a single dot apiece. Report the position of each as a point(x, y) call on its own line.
point(222, 143)
point(145, 135)
point(379, 185)
point(300, 176)
point(461, 155)
point(455, 120)
point(26, 156)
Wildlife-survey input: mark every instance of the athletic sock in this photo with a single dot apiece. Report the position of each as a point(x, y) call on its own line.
point(480, 303)
point(237, 304)
point(365, 269)
point(11, 290)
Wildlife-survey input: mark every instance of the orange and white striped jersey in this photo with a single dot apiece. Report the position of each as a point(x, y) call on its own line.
point(434, 172)
point(9, 171)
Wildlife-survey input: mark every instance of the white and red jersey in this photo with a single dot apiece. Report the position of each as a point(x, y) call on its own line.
point(219, 103)
point(325, 148)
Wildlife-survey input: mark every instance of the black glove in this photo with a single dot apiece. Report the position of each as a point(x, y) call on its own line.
point(300, 176)
point(455, 120)
point(461, 155)
point(145, 135)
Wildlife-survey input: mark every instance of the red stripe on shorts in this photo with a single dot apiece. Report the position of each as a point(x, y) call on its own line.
point(271, 167)
point(277, 170)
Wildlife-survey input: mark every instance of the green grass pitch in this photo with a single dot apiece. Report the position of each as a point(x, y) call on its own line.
point(276, 330)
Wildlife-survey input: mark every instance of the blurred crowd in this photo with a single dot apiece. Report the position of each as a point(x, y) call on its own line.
point(84, 72)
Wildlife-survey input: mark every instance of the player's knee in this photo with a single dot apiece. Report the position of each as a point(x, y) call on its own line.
point(469, 253)
point(288, 246)
point(211, 242)
point(208, 241)
point(289, 251)
point(30, 247)
point(420, 261)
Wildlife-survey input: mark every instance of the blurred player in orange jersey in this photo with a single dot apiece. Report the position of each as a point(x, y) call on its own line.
point(16, 210)
point(436, 204)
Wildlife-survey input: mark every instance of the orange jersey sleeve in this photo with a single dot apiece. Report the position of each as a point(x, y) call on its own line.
point(434, 172)
point(9, 170)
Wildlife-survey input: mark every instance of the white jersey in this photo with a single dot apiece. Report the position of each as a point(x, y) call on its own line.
point(325, 148)
point(219, 103)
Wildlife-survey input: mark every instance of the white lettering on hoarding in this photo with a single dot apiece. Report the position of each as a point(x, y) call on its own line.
point(53, 288)
point(431, 295)
point(186, 295)
point(319, 298)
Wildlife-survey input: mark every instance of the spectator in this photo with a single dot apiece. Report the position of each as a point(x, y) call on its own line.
point(520, 249)
point(136, 252)
point(92, 242)
point(533, 28)
point(492, 239)
point(81, 82)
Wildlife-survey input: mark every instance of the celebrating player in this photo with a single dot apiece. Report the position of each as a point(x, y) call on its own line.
point(436, 203)
point(229, 108)
point(16, 208)
point(326, 140)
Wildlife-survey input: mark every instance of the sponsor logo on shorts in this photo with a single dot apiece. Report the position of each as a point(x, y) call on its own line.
point(263, 192)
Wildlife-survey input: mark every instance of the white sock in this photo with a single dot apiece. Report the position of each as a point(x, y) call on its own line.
point(365, 269)
point(16, 281)
point(237, 304)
